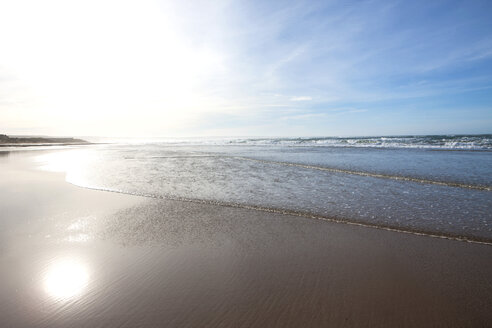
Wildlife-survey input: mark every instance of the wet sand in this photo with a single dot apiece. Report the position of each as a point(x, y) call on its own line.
point(72, 257)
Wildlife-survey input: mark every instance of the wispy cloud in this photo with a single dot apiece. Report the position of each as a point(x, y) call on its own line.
point(301, 98)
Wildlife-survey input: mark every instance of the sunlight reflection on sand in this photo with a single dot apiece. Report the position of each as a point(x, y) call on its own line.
point(66, 278)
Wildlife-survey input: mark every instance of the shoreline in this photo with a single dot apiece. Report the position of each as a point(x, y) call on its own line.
point(304, 215)
point(154, 262)
point(45, 144)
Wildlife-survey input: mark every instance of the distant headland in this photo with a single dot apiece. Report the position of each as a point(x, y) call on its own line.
point(6, 141)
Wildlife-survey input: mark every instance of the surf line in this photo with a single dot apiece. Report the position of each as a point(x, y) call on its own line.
point(368, 174)
point(307, 215)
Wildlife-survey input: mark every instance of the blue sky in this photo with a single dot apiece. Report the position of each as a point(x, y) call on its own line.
point(286, 68)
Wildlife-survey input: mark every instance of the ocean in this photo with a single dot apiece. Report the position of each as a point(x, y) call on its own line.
point(434, 185)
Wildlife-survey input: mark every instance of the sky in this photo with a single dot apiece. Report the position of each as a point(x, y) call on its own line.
point(245, 68)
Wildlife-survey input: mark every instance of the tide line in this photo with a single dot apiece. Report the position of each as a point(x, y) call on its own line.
point(474, 240)
point(369, 174)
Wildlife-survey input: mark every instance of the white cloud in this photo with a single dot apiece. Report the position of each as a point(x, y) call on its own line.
point(301, 98)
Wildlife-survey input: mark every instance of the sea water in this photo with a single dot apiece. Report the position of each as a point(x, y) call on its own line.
point(437, 185)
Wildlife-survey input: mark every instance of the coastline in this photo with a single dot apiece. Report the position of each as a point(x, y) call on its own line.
point(155, 262)
point(44, 144)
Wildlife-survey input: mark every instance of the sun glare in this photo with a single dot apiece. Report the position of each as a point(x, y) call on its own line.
point(60, 161)
point(98, 60)
point(66, 279)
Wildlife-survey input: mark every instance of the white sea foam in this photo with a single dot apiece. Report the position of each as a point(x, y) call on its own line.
point(453, 142)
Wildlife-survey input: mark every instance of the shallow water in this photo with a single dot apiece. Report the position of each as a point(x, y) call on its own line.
point(416, 189)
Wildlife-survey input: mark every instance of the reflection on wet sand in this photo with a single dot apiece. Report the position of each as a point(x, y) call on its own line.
point(66, 278)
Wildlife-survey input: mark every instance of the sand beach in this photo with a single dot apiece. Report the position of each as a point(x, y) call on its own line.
point(73, 257)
